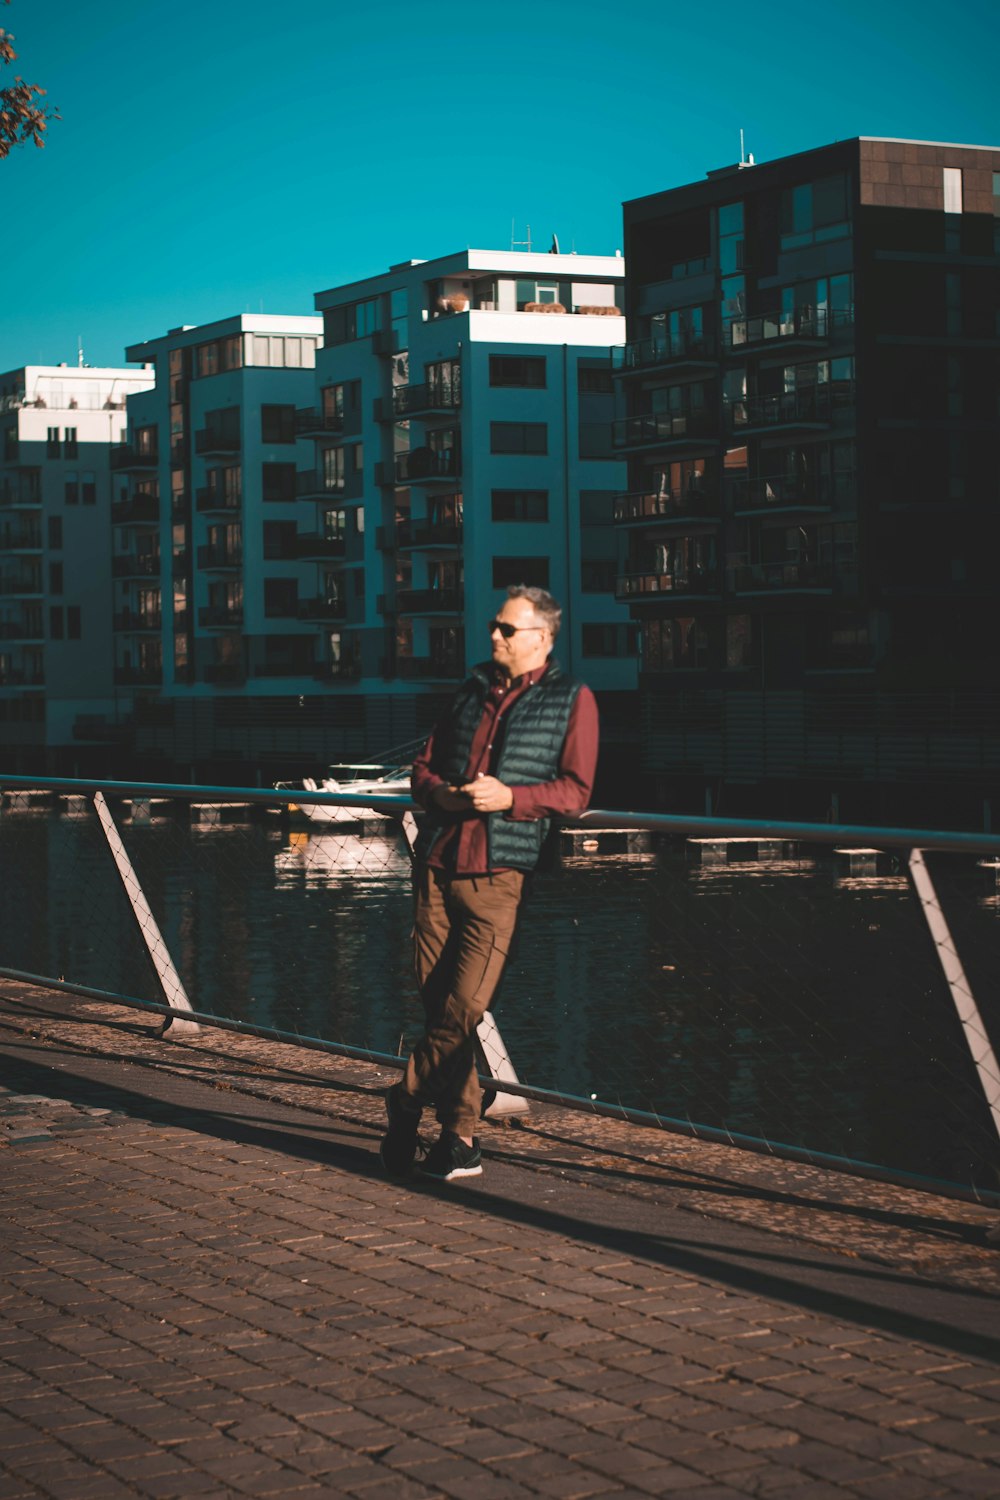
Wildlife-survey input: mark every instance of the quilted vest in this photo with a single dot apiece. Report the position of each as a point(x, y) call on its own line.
point(533, 731)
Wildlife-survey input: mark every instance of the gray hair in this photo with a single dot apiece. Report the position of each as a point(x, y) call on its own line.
point(541, 601)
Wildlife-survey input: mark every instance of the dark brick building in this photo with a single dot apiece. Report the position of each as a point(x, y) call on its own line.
point(809, 401)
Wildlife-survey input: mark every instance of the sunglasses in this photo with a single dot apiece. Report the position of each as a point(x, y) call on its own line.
point(507, 630)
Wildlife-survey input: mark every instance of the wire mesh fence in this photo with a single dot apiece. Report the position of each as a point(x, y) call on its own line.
point(783, 988)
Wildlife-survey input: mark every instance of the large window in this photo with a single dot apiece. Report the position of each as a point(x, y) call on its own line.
point(609, 640)
point(353, 320)
point(278, 482)
point(815, 211)
point(524, 370)
point(520, 505)
point(519, 437)
point(277, 424)
point(281, 352)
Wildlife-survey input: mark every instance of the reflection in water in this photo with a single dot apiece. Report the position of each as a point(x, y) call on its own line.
point(780, 998)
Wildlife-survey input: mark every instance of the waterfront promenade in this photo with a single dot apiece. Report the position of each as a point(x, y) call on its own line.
point(210, 1290)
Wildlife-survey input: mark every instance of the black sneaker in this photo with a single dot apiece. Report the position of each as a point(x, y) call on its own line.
point(450, 1157)
point(399, 1144)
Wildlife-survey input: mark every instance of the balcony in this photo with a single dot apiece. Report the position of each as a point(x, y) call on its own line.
point(218, 502)
point(21, 491)
point(443, 601)
point(212, 441)
point(337, 671)
point(806, 326)
point(136, 565)
point(663, 430)
point(22, 677)
point(638, 509)
point(21, 539)
point(312, 422)
point(137, 510)
point(133, 623)
point(423, 401)
point(22, 586)
point(445, 669)
point(781, 577)
point(635, 587)
point(315, 548)
point(221, 616)
point(224, 673)
point(141, 676)
point(409, 536)
point(423, 466)
point(687, 350)
point(215, 559)
point(811, 409)
point(125, 459)
point(23, 632)
point(313, 484)
point(320, 609)
point(779, 492)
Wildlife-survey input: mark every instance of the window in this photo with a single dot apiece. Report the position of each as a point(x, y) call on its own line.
point(609, 640)
point(73, 622)
point(527, 371)
point(52, 443)
point(814, 212)
point(281, 598)
point(520, 505)
point(145, 442)
point(512, 570)
point(540, 294)
point(55, 532)
point(56, 622)
point(597, 576)
point(71, 488)
point(10, 444)
point(594, 381)
point(952, 185)
point(334, 468)
point(519, 437)
point(279, 540)
point(88, 487)
point(277, 424)
point(278, 482)
point(70, 449)
point(444, 382)
point(281, 353)
point(55, 578)
point(354, 320)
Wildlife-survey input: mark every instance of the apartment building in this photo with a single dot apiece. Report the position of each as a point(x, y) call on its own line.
point(306, 558)
point(463, 444)
point(808, 405)
point(58, 425)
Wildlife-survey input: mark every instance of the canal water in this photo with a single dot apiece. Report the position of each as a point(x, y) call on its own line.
point(786, 998)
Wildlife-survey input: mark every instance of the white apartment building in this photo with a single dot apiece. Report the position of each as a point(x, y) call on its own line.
point(58, 424)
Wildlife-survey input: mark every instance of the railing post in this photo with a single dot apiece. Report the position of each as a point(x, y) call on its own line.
point(174, 992)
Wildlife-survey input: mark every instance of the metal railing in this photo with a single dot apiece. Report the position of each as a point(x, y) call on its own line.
point(821, 992)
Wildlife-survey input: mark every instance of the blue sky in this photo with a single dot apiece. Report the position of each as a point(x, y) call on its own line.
point(229, 156)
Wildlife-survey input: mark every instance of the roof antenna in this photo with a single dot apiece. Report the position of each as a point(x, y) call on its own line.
point(79, 351)
point(520, 244)
point(745, 161)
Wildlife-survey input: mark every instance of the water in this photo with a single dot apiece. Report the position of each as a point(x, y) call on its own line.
point(782, 999)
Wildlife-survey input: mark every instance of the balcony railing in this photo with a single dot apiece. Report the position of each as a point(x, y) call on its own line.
point(660, 506)
point(124, 457)
point(138, 676)
point(19, 677)
point(224, 673)
point(425, 400)
point(21, 539)
point(337, 671)
point(220, 616)
point(136, 565)
point(444, 601)
point(313, 484)
point(322, 609)
point(808, 324)
point(137, 510)
point(638, 585)
point(812, 406)
point(315, 548)
point(21, 491)
point(21, 584)
point(423, 466)
point(211, 440)
point(780, 492)
point(208, 501)
point(409, 667)
point(413, 534)
point(663, 349)
point(219, 559)
point(133, 622)
point(24, 632)
point(752, 578)
point(661, 429)
point(311, 422)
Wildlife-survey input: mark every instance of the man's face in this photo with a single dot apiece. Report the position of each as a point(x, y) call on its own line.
point(528, 648)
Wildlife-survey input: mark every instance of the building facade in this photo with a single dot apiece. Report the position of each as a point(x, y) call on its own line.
point(808, 405)
point(58, 427)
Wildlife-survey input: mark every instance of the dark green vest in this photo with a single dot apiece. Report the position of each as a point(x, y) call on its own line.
point(533, 731)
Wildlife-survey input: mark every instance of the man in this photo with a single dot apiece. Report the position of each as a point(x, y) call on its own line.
point(517, 748)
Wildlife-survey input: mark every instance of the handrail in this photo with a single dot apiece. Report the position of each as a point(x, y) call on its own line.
point(945, 840)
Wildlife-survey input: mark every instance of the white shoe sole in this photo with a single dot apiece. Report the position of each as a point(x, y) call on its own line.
point(455, 1172)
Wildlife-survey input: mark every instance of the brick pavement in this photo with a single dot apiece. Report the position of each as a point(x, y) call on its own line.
point(209, 1291)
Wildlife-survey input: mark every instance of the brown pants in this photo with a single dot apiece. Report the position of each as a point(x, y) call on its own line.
point(462, 934)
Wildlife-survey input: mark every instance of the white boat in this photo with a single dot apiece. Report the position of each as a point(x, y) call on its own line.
point(387, 778)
